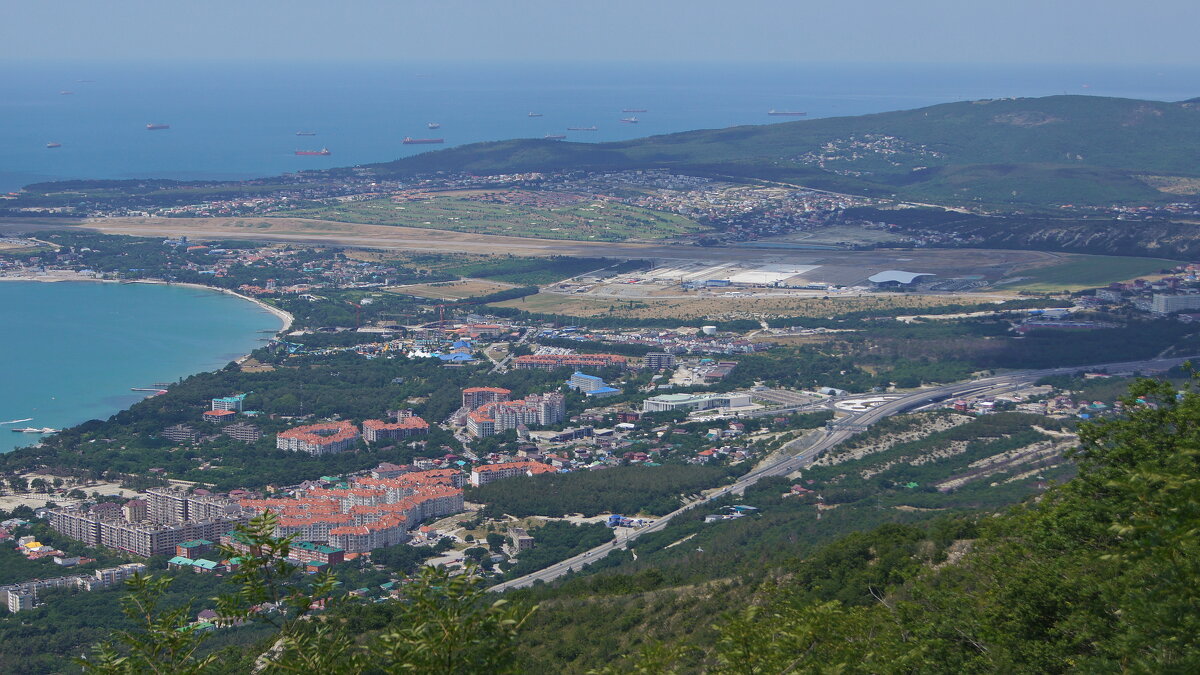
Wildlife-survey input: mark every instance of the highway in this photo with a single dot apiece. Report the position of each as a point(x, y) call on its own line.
point(842, 429)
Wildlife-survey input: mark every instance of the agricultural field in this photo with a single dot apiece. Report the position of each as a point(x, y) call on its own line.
point(526, 214)
point(1077, 272)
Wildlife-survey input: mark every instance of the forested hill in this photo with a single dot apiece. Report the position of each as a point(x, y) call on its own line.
point(1041, 151)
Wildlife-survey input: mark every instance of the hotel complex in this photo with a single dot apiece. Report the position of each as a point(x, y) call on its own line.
point(370, 513)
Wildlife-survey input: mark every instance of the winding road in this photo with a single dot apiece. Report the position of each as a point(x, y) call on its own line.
point(841, 430)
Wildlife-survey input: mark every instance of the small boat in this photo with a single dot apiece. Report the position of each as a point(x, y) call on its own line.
point(630, 120)
point(434, 125)
point(628, 110)
point(533, 114)
point(156, 127)
point(786, 113)
point(554, 137)
point(65, 92)
point(323, 152)
point(52, 144)
point(408, 140)
point(306, 133)
point(592, 128)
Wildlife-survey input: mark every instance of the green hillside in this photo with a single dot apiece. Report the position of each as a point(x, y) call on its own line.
point(1052, 150)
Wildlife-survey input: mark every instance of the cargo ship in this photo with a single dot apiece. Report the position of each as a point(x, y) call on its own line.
point(320, 153)
point(533, 114)
point(554, 137)
point(306, 133)
point(52, 144)
point(434, 125)
point(633, 110)
point(630, 120)
point(156, 127)
point(582, 129)
point(408, 140)
point(786, 113)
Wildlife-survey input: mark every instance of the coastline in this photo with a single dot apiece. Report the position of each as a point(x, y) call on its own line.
point(280, 314)
point(285, 318)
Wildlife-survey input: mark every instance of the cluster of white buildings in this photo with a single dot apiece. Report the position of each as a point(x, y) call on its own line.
point(21, 596)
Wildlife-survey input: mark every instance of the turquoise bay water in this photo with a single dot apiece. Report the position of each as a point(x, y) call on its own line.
point(71, 351)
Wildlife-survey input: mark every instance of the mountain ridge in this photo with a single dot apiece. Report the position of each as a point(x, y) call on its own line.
point(1048, 150)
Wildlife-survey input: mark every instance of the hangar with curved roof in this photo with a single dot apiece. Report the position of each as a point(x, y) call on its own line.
point(897, 277)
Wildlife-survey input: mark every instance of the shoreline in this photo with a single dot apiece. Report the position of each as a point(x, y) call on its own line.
point(280, 314)
point(285, 318)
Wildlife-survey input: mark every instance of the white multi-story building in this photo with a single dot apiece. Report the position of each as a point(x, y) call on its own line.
point(1167, 304)
point(670, 402)
point(500, 416)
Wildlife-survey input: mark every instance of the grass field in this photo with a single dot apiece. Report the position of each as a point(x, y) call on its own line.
point(583, 220)
point(717, 307)
point(1077, 272)
point(452, 290)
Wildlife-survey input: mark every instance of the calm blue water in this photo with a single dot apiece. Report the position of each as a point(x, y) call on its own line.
point(71, 351)
point(240, 121)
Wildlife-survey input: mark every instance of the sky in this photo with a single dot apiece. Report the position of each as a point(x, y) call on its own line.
point(870, 31)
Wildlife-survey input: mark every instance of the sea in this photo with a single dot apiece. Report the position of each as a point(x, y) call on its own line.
point(73, 351)
point(239, 120)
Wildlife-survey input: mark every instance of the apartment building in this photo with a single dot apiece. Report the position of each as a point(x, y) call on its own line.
point(319, 439)
point(404, 427)
point(488, 473)
point(180, 433)
point(474, 397)
point(498, 417)
point(371, 513)
point(659, 361)
point(242, 431)
point(233, 403)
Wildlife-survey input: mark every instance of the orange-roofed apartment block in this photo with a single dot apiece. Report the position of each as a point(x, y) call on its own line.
point(318, 439)
point(371, 513)
point(406, 427)
point(487, 473)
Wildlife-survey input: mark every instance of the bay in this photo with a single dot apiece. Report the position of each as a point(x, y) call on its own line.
point(72, 351)
point(232, 121)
